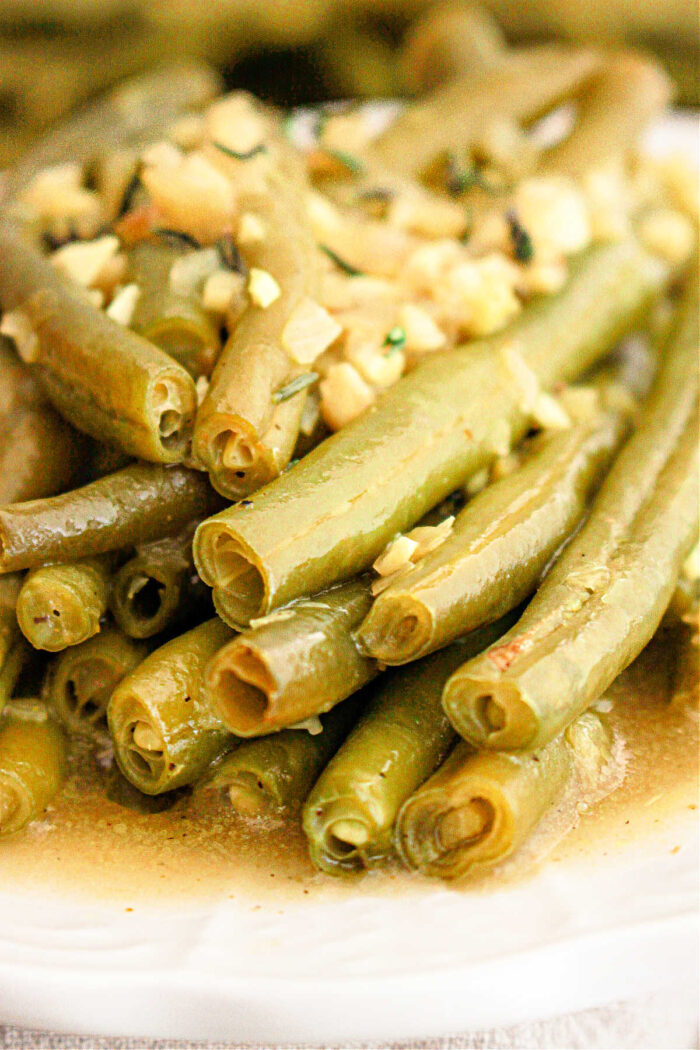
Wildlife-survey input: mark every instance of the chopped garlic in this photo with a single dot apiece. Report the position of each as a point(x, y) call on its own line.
point(235, 123)
point(308, 332)
point(377, 364)
point(162, 154)
point(312, 725)
point(310, 415)
point(17, 326)
point(190, 271)
point(396, 556)
point(477, 482)
point(192, 196)
point(94, 296)
point(382, 583)
point(344, 395)
point(427, 216)
point(86, 262)
point(580, 402)
point(263, 289)
point(549, 413)
point(607, 197)
point(428, 537)
point(553, 211)
point(426, 266)
point(346, 132)
point(251, 229)
point(188, 131)
point(122, 307)
point(669, 234)
point(61, 203)
point(498, 438)
point(542, 277)
point(502, 466)
point(201, 388)
point(525, 379)
point(422, 333)
point(483, 290)
point(220, 289)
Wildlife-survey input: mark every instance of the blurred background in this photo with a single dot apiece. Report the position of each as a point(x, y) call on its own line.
point(56, 54)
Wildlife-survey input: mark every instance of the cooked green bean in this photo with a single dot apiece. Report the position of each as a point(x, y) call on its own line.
point(10, 586)
point(242, 436)
point(12, 665)
point(522, 86)
point(177, 323)
point(80, 680)
point(103, 378)
point(139, 503)
point(299, 663)
point(478, 809)
point(32, 763)
point(499, 546)
point(157, 586)
point(62, 605)
point(39, 453)
point(618, 104)
point(605, 597)
point(426, 436)
point(273, 775)
point(401, 737)
point(162, 728)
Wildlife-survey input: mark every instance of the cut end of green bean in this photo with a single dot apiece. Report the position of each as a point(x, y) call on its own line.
point(142, 603)
point(487, 713)
point(436, 835)
point(172, 405)
point(337, 843)
point(225, 563)
point(248, 797)
point(237, 462)
point(142, 757)
point(397, 629)
point(239, 685)
point(53, 621)
point(81, 697)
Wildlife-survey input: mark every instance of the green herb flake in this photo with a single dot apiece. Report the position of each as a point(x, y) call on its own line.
point(254, 152)
point(346, 267)
point(353, 164)
point(395, 339)
point(295, 386)
point(523, 248)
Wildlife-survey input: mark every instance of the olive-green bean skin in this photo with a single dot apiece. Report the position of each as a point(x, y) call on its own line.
point(401, 737)
point(10, 587)
point(33, 756)
point(426, 436)
point(479, 808)
point(499, 546)
point(619, 102)
point(604, 598)
point(80, 680)
point(271, 776)
point(299, 664)
point(178, 324)
point(104, 379)
point(138, 504)
point(156, 587)
point(62, 605)
point(163, 731)
point(11, 667)
point(39, 452)
point(522, 86)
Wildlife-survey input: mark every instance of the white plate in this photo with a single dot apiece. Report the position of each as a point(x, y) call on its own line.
point(371, 966)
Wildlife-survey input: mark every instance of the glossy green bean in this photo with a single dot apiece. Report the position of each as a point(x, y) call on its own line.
point(479, 808)
point(426, 436)
point(140, 503)
point(33, 757)
point(62, 605)
point(272, 775)
point(499, 546)
point(80, 680)
point(300, 662)
point(162, 728)
point(605, 596)
point(401, 737)
point(104, 379)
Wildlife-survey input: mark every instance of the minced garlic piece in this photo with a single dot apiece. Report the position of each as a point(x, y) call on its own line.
point(308, 332)
point(346, 132)
point(324, 217)
point(263, 289)
point(310, 415)
point(16, 326)
point(235, 123)
point(396, 556)
point(192, 195)
point(344, 395)
point(162, 154)
point(379, 365)
point(220, 289)
point(201, 388)
point(498, 438)
point(607, 197)
point(339, 292)
point(86, 262)
point(549, 413)
point(427, 265)
point(525, 379)
point(429, 537)
point(122, 307)
point(545, 277)
point(477, 482)
point(190, 271)
point(422, 333)
point(669, 234)
point(188, 131)
point(56, 195)
point(251, 229)
point(580, 402)
point(484, 293)
point(553, 211)
point(312, 725)
point(427, 216)
point(502, 466)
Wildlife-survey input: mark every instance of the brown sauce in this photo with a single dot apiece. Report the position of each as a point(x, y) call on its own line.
point(90, 846)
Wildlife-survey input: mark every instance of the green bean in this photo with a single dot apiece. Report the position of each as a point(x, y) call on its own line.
point(401, 737)
point(164, 733)
point(426, 436)
point(177, 323)
point(619, 102)
point(12, 665)
point(499, 546)
point(478, 809)
point(156, 587)
point(10, 586)
point(605, 597)
point(32, 763)
point(120, 791)
point(242, 436)
point(80, 680)
point(450, 39)
point(62, 605)
point(135, 505)
point(272, 775)
point(39, 453)
point(522, 86)
point(298, 663)
point(103, 378)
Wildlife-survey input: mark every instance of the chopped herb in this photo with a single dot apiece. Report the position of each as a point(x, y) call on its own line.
point(353, 164)
point(245, 503)
point(230, 255)
point(248, 155)
point(132, 188)
point(295, 386)
point(459, 179)
point(346, 267)
point(395, 338)
point(523, 248)
point(178, 236)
